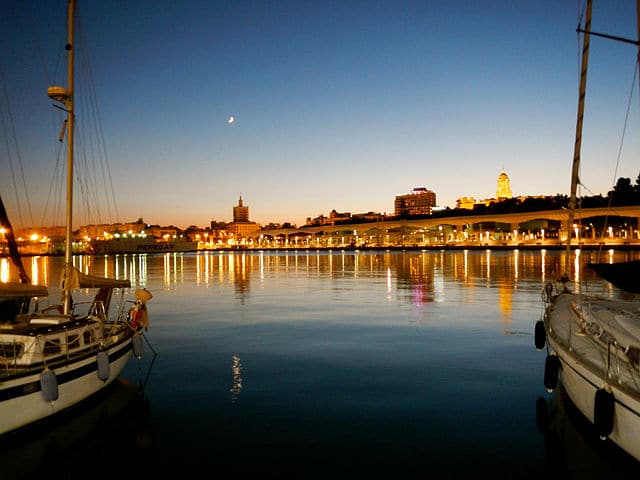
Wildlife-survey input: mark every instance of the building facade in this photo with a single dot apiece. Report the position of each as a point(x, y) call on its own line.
point(419, 202)
point(240, 212)
point(503, 191)
point(241, 226)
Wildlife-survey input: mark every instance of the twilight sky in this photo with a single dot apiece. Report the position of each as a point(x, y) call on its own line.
point(337, 104)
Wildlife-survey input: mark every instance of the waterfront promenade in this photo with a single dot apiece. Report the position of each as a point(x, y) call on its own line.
point(594, 228)
point(597, 228)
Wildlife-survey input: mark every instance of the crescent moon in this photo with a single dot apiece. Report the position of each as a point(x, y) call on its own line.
point(231, 120)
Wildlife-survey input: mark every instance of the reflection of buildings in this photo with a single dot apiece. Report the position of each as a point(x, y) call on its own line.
point(505, 294)
point(240, 267)
point(415, 275)
point(233, 268)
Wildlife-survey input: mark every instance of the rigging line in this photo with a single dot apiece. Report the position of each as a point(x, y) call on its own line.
point(619, 156)
point(54, 188)
point(92, 107)
point(87, 181)
point(16, 146)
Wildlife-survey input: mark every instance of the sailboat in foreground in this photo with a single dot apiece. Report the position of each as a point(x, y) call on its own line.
point(53, 358)
point(593, 342)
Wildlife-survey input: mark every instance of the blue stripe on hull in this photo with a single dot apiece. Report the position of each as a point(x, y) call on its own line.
point(31, 387)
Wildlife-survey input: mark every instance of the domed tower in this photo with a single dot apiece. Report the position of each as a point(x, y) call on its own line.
point(504, 187)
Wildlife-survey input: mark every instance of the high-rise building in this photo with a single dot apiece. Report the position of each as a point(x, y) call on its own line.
point(240, 212)
point(419, 202)
point(241, 225)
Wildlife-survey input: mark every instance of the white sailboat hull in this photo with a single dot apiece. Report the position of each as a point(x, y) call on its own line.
point(22, 401)
point(586, 366)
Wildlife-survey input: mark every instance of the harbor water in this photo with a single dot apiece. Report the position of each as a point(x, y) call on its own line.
point(327, 364)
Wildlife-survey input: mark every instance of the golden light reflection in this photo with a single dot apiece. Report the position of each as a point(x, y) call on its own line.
point(4, 270)
point(35, 271)
point(173, 268)
point(488, 254)
point(466, 265)
point(505, 294)
point(576, 266)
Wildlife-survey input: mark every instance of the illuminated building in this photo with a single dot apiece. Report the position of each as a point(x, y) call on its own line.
point(241, 226)
point(419, 202)
point(504, 188)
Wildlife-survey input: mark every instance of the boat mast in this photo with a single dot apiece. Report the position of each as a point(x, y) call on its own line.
point(68, 257)
point(575, 169)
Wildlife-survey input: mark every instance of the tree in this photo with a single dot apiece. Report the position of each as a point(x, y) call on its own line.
point(623, 193)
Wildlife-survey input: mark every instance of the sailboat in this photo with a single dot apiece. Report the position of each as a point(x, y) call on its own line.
point(55, 357)
point(593, 342)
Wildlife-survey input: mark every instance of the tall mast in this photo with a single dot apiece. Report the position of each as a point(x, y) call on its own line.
point(66, 294)
point(64, 95)
point(575, 169)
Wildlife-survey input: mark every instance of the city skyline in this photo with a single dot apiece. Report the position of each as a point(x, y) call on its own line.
point(302, 108)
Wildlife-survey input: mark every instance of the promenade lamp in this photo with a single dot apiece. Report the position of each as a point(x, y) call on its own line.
point(575, 230)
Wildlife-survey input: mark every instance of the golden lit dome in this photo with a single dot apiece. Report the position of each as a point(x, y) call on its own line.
point(504, 187)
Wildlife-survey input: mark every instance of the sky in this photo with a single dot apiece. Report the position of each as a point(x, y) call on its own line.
point(337, 105)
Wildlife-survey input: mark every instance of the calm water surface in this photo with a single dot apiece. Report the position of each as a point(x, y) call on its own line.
point(335, 364)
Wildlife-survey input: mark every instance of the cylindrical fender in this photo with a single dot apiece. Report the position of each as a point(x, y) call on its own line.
point(136, 341)
point(103, 366)
point(49, 385)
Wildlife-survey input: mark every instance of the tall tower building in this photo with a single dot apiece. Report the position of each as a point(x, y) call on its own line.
point(504, 187)
point(240, 212)
point(241, 226)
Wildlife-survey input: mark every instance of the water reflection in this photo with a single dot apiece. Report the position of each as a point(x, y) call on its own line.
point(572, 447)
point(236, 373)
point(118, 417)
point(416, 277)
